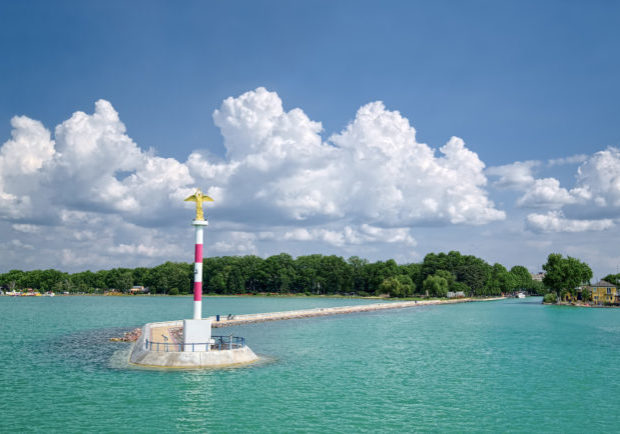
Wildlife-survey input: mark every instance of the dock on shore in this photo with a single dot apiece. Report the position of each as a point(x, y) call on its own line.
point(232, 320)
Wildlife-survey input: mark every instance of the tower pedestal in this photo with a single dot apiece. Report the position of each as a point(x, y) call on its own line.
point(196, 334)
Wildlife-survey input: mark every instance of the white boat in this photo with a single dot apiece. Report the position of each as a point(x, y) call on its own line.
point(49, 294)
point(520, 295)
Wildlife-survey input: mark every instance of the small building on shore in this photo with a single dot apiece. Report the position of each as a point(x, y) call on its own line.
point(139, 290)
point(538, 276)
point(604, 292)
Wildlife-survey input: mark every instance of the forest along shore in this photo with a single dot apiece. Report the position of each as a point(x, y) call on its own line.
point(231, 320)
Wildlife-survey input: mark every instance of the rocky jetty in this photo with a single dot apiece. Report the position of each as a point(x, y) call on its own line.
point(130, 336)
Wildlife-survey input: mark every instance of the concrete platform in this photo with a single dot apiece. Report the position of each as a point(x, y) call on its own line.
point(142, 356)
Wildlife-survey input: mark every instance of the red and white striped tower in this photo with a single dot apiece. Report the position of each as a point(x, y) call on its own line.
point(198, 228)
point(199, 222)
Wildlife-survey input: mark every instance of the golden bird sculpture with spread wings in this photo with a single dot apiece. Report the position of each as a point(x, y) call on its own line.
point(199, 198)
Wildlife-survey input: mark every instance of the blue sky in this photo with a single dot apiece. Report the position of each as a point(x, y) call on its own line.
point(517, 81)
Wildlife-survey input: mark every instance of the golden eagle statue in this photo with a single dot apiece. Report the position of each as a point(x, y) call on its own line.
point(199, 198)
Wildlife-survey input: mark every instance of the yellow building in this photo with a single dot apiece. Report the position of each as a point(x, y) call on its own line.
point(604, 292)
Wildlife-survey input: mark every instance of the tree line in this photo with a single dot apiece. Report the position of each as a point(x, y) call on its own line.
point(435, 276)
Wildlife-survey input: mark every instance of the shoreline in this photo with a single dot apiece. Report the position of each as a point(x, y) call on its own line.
point(289, 295)
point(595, 306)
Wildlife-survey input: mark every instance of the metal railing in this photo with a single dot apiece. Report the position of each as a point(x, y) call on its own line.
point(217, 343)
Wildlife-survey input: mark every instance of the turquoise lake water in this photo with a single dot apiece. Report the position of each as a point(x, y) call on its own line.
point(512, 365)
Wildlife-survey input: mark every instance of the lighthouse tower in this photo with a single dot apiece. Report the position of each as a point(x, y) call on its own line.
point(199, 349)
point(197, 332)
point(199, 223)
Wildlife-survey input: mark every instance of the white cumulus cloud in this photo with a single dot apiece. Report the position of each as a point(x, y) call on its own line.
point(517, 175)
point(573, 159)
point(600, 177)
point(374, 171)
point(350, 235)
point(591, 204)
point(554, 221)
point(546, 192)
point(21, 157)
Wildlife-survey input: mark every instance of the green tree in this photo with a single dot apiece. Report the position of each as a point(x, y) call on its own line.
point(99, 279)
point(613, 279)
point(140, 276)
point(251, 265)
point(336, 274)
point(278, 273)
point(307, 277)
point(436, 286)
point(119, 278)
point(218, 282)
point(12, 280)
point(399, 286)
point(459, 287)
point(359, 273)
point(537, 288)
point(474, 272)
point(235, 283)
point(521, 277)
point(170, 275)
point(450, 278)
point(379, 271)
point(586, 295)
point(565, 274)
point(500, 281)
point(391, 286)
point(407, 285)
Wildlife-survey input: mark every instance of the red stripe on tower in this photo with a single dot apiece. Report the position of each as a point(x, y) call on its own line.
point(197, 291)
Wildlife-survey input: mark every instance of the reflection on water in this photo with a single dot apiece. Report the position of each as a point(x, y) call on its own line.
point(196, 398)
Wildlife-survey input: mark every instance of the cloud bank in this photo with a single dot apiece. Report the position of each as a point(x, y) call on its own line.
point(85, 195)
point(280, 181)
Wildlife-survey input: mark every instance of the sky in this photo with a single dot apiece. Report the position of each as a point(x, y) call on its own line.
point(378, 129)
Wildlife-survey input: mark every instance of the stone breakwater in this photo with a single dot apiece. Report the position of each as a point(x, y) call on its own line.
point(231, 320)
point(142, 354)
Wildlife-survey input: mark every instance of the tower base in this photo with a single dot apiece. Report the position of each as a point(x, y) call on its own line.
point(185, 356)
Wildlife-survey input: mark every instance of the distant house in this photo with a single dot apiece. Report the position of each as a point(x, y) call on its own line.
point(604, 292)
point(457, 294)
point(538, 276)
point(139, 290)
